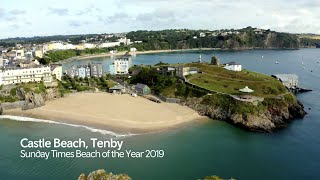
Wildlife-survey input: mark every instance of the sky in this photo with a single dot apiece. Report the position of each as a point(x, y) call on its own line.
point(26, 18)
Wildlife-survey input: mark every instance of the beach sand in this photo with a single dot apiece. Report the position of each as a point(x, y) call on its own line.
point(121, 113)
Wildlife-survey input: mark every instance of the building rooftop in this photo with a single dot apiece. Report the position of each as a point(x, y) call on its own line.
point(232, 63)
point(116, 87)
point(141, 86)
point(286, 77)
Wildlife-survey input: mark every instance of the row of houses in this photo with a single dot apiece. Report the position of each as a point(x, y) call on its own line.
point(120, 66)
point(38, 73)
point(82, 71)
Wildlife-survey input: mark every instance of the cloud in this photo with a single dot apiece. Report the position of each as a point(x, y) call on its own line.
point(159, 17)
point(11, 15)
point(115, 18)
point(88, 10)
point(58, 11)
point(74, 23)
point(17, 12)
point(2, 12)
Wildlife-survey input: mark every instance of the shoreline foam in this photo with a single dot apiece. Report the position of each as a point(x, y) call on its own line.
point(92, 129)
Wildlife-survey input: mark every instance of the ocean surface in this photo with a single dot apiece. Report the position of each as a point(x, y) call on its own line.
point(197, 149)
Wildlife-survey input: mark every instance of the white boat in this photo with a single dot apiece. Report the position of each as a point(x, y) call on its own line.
point(277, 62)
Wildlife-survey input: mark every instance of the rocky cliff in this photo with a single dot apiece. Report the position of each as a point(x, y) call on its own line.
point(103, 175)
point(266, 116)
point(33, 100)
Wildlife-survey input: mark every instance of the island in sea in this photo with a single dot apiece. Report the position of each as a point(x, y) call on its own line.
point(152, 98)
point(101, 174)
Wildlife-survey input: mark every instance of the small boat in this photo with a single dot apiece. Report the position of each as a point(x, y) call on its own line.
point(277, 62)
point(302, 62)
point(303, 67)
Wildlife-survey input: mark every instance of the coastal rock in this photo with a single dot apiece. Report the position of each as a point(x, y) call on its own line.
point(20, 92)
point(33, 100)
point(51, 93)
point(268, 116)
point(103, 175)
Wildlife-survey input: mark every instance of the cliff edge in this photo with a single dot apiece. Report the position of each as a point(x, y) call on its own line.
point(266, 116)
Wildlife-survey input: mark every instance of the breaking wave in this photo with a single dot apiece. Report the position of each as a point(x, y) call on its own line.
point(28, 119)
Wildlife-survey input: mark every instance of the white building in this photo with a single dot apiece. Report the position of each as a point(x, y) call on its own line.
point(69, 46)
point(202, 34)
point(125, 41)
point(54, 45)
point(121, 65)
point(233, 66)
point(25, 75)
point(19, 54)
point(57, 71)
point(133, 49)
point(109, 44)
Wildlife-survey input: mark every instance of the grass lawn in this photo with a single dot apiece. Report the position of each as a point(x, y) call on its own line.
point(219, 79)
point(307, 36)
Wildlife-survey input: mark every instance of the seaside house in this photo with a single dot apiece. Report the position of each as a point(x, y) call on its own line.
point(96, 70)
point(142, 89)
point(258, 31)
point(233, 66)
point(121, 65)
point(71, 71)
point(24, 75)
point(56, 69)
point(288, 80)
point(83, 71)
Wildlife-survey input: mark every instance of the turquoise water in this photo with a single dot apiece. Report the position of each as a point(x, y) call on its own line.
point(198, 149)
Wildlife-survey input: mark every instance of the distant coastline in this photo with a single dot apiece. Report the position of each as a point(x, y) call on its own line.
point(90, 56)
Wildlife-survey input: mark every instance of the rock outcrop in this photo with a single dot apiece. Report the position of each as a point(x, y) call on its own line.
point(266, 116)
point(33, 100)
point(103, 175)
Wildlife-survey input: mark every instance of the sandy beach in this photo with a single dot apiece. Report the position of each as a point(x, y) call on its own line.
point(132, 53)
point(117, 112)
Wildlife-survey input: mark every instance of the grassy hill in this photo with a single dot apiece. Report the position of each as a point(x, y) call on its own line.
point(219, 79)
point(309, 36)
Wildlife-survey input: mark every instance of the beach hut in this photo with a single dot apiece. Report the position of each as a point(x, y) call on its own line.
point(142, 89)
point(246, 90)
point(118, 89)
